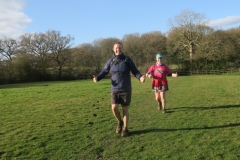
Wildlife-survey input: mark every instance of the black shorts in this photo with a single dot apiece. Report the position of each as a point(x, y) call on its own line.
point(121, 97)
point(162, 89)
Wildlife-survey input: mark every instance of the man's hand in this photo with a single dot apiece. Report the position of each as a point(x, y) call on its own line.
point(142, 79)
point(94, 79)
point(175, 74)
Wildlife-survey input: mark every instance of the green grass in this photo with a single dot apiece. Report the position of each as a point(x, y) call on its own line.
point(73, 120)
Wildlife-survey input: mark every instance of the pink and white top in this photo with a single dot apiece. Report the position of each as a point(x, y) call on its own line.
point(159, 73)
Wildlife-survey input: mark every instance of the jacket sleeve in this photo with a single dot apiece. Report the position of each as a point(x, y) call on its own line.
point(134, 69)
point(104, 71)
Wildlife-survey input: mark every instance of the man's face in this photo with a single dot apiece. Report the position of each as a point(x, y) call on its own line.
point(117, 48)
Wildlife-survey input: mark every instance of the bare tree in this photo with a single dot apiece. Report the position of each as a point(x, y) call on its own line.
point(209, 50)
point(132, 47)
point(87, 59)
point(176, 51)
point(37, 45)
point(152, 43)
point(191, 28)
point(106, 48)
point(59, 48)
point(232, 46)
point(8, 48)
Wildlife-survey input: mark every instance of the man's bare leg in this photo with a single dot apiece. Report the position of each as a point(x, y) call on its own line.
point(125, 121)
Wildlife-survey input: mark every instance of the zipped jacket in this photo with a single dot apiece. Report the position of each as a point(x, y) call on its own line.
point(120, 72)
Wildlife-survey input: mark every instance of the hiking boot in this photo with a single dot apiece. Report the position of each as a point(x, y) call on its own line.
point(125, 133)
point(119, 127)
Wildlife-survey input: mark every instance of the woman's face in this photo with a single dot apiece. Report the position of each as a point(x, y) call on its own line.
point(159, 60)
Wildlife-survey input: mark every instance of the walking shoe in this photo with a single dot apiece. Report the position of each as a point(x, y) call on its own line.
point(125, 133)
point(119, 127)
point(164, 111)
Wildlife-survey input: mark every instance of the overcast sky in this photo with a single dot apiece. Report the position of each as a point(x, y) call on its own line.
point(88, 20)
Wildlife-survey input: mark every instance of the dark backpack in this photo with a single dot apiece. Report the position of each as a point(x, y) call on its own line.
point(113, 61)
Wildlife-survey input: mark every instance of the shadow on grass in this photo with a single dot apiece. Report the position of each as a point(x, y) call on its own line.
point(24, 85)
point(183, 129)
point(206, 108)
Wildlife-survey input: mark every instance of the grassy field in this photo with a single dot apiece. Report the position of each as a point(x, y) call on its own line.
point(73, 120)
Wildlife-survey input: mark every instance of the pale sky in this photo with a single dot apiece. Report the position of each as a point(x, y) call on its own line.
point(89, 20)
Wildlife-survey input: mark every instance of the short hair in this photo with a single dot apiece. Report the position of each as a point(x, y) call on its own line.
point(118, 43)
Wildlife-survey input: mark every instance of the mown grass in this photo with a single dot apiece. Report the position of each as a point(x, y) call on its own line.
point(73, 120)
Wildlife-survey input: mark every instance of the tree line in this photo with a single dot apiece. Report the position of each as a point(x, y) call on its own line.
point(190, 45)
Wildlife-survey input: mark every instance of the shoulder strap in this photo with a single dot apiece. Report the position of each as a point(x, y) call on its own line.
point(127, 62)
point(113, 61)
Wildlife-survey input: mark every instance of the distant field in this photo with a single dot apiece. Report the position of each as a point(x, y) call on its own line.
point(73, 120)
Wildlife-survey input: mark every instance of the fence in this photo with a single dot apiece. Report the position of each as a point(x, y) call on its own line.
point(208, 72)
point(183, 73)
point(82, 76)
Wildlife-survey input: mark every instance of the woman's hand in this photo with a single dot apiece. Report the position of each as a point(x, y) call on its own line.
point(175, 74)
point(149, 75)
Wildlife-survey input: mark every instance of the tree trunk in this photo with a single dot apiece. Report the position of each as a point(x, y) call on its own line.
point(60, 72)
point(190, 56)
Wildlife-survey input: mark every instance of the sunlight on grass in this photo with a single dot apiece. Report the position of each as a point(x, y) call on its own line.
point(73, 120)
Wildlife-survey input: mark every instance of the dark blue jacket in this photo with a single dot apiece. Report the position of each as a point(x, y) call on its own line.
point(120, 72)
